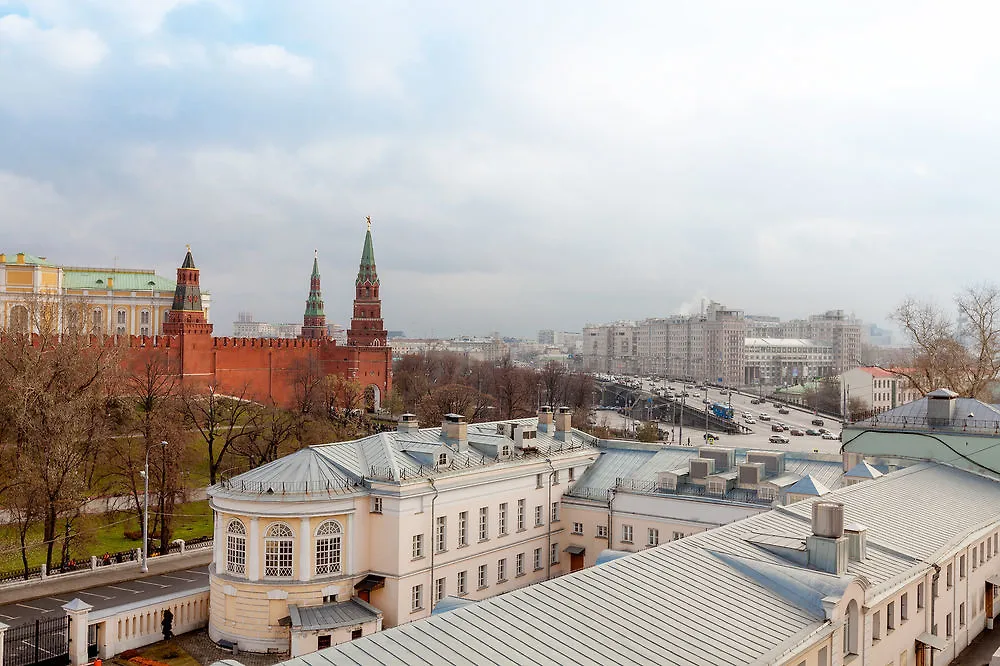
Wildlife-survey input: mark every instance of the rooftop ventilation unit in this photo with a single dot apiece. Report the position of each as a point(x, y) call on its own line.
point(828, 519)
point(700, 468)
point(750, 474)
point(725, 459)
point(774, 461)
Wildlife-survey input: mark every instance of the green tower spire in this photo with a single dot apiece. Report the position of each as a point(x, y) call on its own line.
point(367, 272)
point(314, 321)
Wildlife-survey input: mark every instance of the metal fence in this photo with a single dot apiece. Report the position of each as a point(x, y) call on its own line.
point(691, 490)
point(20, 574)
point(43, 642)
point(974, 425)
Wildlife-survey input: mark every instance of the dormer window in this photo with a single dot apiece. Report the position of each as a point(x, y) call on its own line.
point(443, 459)
point(505, 451)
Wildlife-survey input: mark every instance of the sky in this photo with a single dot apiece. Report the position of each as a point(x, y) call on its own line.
point(526, 165)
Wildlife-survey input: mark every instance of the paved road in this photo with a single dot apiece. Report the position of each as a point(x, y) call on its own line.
point(761, 430)
point(106, 596)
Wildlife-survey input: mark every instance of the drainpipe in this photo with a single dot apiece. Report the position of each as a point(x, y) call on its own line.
point(934, 581)
point(611, 516)
point(548, 532)
point(433, 543)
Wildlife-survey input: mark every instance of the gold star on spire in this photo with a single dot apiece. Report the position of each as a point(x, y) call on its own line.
point(188, 246)
point(369, 220)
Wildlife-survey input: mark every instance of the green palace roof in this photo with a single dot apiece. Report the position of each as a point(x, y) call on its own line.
point(29, 259)
point(124, 280)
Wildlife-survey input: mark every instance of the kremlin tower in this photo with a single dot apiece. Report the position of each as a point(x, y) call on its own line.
point(186, 315)
point(367, 328)
point(314, 321)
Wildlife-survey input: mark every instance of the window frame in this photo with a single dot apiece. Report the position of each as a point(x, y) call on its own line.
point(328, 548)
point(279, 551)
point(236, 548)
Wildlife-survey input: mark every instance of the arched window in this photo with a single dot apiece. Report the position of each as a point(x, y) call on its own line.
point(328, 550)
point(144, 317)
point(97, 320)
point(278, 551)
point(236, 548)
point(851, 628)
point(19, 320)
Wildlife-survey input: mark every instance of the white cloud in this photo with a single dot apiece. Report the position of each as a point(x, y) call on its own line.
point(270, 56)
point(67, 48)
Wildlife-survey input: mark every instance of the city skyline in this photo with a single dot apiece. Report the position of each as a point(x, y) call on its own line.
point(601, 164)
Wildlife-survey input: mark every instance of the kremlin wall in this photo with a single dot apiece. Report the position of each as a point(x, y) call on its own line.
point(265, 370)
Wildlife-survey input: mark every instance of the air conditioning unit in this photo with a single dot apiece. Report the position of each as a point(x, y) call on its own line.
point(725, 459)
point(666, 480)
point(750, 474)
point(700, 468)
point(774, 461)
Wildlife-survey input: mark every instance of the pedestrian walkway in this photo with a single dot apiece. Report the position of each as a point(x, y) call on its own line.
point(980, 650)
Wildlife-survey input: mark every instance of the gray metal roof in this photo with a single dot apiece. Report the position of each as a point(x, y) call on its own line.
point(687, 590)
point(343, 467)
point(807, 485)
point(332, 616)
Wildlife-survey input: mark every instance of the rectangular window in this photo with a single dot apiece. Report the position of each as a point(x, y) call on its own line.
point(236, 553)
point(626, 534)
point(678, 535)
point(973, 558)
point(961, 567)
point(555, 512)
point(961, 614)
point(519, 564)
point(920, 596)
point(482, 576)
point(949, 577)
point(538, 516)
point(555, 478)
point(502, 519)
point(501, 570)
point(653, 537)
point(418, 545)
point(554, 554)
point(538, 558)
point(948, 629)
point(577, 528)
point(463, 581)
point(278, 558)
point(417, 597)
point(982, 552)
point(376, 505)
point(323, 641)
point(602, 531)
point(876, 625)
point(572, 474)
point(823, 660)
point(904, 607)
point(439, 590)
point(463, 528)
point(484, 523)
point(441, 534)
point(890, 616)
point(538, 480)
point(520, 514)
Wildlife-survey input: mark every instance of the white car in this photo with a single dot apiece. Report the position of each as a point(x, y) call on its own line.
point(829, 435)
point(749, 419)
point(763, 417)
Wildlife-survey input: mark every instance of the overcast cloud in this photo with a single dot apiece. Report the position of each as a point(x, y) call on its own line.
point(527, 165)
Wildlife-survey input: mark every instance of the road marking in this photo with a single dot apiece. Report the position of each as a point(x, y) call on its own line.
point(99, 596)
point(62, 601)
point(124, 589)
point(199, 573)
point(146, 582)
point(44, 610)
point(186, 580)
point(9, 617)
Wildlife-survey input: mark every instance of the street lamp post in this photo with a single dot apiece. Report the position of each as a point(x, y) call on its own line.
point(152, 308)
point(145, 515)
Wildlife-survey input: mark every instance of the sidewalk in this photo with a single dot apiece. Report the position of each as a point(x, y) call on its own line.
point(980, 650)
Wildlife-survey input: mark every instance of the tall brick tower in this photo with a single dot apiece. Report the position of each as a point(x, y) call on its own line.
point(314, 321)
point(186, 315)
point(367, 328)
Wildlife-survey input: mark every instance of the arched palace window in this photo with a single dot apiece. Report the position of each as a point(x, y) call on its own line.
point(278, 551)
point(328, 548)
point(236, 548)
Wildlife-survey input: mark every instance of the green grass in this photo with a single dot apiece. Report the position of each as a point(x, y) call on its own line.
point(99, 534)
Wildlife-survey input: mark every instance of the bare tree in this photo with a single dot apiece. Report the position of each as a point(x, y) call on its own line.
point(263, 443)
point(964, 357)
point(220, 420)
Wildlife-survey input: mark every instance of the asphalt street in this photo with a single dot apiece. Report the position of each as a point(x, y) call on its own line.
point(106, 596)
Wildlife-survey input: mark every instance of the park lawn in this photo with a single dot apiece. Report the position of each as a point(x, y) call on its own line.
point(165, 653)
point(102, 534)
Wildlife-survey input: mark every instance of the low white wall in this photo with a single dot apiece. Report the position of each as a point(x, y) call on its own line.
point(138, 624)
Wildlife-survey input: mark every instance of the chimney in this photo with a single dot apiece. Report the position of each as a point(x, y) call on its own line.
point(828, 548)
point(455, 432)
point(941, 404)
point(851, 459)
point(111, 283)
point(545, 419)
point(3, 257)
point(408, 423)
point(857, 541)
point(20, 257)
point(564, 423)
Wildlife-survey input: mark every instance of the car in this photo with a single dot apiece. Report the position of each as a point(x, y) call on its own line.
point(776, 427)
point(747, 415)
point(813, 433)
point(817, 422)
point(829, 435)
point(706, 401)
point(823, 431)
point(763, 417)
point(778, 439)
point(784, 427)
point(749, 419)
point(795, 432)
point(783, 411)
point(756, 401)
